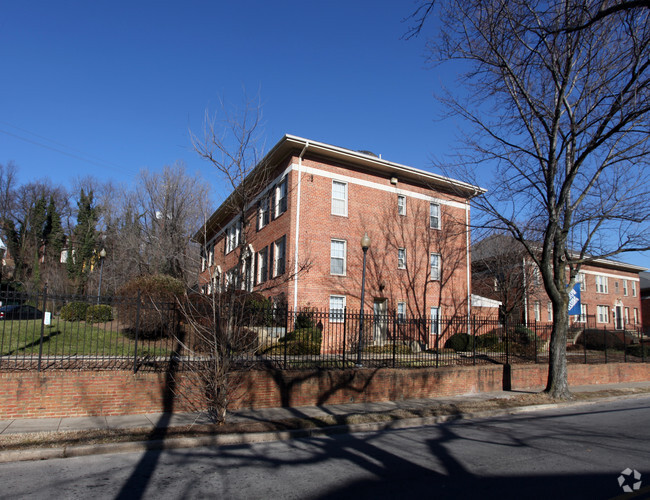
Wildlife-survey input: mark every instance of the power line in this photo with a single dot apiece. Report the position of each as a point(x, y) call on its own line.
point(86, 158)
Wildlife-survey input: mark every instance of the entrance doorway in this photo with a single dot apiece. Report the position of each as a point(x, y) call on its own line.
point(380, 313)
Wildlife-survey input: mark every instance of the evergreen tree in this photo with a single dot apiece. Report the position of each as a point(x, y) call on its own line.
point(84, 242)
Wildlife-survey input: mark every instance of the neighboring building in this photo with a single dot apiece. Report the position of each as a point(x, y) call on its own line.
point(645, 300)
point(610, 292)
point(306, 221)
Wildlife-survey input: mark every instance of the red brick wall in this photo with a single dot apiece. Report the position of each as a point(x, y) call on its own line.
point(70, 394)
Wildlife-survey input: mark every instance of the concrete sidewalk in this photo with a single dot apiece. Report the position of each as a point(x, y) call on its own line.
point(152, 421)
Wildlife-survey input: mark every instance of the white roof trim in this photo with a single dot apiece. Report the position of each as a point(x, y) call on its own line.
point(478, 301)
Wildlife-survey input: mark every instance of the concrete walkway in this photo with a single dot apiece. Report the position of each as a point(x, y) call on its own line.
point(153, 421)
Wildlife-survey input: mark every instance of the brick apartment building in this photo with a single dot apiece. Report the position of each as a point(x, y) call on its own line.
point(610, 292)
point(305, 222)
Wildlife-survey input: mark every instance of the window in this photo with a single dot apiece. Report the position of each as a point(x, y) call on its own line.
point(616, 287)
point(280, 199)
point(263, 213)
point(337, 308)
point(211, 256)
point(279, 256)
point(537, 277)
point(627, 315)
point(434, 216)
point(337, 257)
point(537, 310)
point(233, 234)
point(634, 289)
point(435, 321)
point(582, 279)
point(401, 312)
point(262, 265)
point(202, 258)
point(603, 314)
point(601, 284)
point(401, 258)
point(583, 313)
point(339, 198)
point(625, 287)
point(435, 266)
point(231, 278)
point(549, 311)
point(401, 204)
point(636, 316)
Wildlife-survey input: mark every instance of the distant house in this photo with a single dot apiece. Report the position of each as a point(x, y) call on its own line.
point(610, 290)
point(645, 300)
point(316, 203)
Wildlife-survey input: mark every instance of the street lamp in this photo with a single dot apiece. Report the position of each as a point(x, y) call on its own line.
point(365, 244)
point(102, 256)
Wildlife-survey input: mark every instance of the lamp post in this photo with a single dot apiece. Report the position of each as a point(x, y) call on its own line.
point(365, 244)
point(102, 256)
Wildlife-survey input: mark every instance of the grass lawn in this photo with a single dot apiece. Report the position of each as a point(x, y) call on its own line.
point(22, 338)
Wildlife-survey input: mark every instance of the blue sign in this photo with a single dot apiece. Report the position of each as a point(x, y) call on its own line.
point(574, 300)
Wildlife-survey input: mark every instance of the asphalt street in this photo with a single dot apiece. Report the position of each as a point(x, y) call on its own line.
point(573, 452)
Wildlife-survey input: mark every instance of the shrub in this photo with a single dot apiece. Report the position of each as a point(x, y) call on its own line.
point(487, 341)
point(100, 313)
point(305, 319)
point(159, 315)
point(459, 342)
point(597, 339)
point(74, 311)
point(305, 341)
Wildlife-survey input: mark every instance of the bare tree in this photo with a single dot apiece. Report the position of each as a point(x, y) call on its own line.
point(561, 115)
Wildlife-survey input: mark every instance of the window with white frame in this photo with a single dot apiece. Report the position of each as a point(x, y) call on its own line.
point(401, 312)
point(435, 321)
point(337, 308)
point(549, 311)
point(625, 288)
point(602, 314)
point(211, 255)
point(434, 265)
point(280, 199)
point(616, 287)
point(279, 256)
point(537, 276)
point(582, 279)
point(203, 260)
point(626, 315)
point(233, 234)
point(337, 257)
point(537, 309)
point(434, 216)
point(262, 265)
point(583, 313)
point(636, 316)
point(263, 212)
point(634, 289)
point(401, 204)
point(339, 198)
point(401, 258)
point(601, 284)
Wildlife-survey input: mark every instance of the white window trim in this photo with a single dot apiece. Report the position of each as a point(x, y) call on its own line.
point(625, 288)
point(634, 289)
point(537, 310)
point(332, 318)
point(582, 318)
point(276, 259)
point(439, 268)
point(437, 331)
point(401, 209)
point(431, 204)
point(604, 309)
point(602, 284)
point(345, 200)
point(401, 263)
point(401, 315)
point(549, 311)
point(345, 256)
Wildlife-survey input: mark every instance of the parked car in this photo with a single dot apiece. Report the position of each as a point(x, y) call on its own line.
point(17, 311)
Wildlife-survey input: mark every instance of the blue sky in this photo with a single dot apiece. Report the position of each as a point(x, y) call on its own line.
point(107, 88)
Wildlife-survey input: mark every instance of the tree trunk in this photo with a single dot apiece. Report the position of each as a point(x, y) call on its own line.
point(557, 385)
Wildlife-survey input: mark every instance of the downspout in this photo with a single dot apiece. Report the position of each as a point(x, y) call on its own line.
point(295, 253)
point(469, 291)
point(523, 267)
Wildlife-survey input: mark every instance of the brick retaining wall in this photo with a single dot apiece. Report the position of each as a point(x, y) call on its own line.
point(68, 394)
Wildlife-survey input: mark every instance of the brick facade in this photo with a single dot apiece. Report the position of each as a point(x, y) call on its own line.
point(316, 224)
point(87, 393)
point(610, 291)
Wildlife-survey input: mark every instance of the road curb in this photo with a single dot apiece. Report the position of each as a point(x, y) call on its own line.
point(34, 454)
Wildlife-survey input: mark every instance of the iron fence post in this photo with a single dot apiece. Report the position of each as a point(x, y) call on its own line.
point(605, 342)
point(345, 343)
point(40, 344)
point(507, 342)
point(584, 340)
point(473, 340)
point(286, 332)
point(535, 341)
point(624, 346)
point(395, 318)
point(137, 332)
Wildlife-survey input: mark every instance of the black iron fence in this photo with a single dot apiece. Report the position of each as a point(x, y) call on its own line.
point(44, 331)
